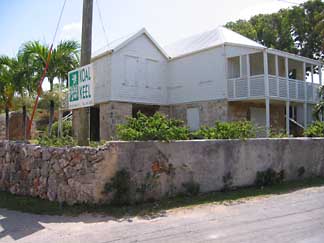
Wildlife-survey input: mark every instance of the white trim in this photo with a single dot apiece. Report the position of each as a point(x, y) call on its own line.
point(306, 98)
point(293, 56)
point(130, 39)
point(287, 118)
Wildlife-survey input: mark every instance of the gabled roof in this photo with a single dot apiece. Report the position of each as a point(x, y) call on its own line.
point(123, 41)
point(209, 39)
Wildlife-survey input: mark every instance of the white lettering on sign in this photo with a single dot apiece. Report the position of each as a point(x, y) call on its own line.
point(81, 87)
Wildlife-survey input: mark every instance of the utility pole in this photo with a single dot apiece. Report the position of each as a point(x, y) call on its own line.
point(83, 113)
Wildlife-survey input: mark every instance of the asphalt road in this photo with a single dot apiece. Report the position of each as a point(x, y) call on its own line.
point(295, 217)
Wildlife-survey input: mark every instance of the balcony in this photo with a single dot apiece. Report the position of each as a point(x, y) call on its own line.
point(241, 88)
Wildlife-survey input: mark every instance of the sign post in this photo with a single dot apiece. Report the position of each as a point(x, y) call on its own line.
point(81, 87)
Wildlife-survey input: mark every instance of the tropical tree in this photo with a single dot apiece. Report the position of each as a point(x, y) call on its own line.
point(6, 89)
point(297, 30)
point(65, 57)
point(20, 81)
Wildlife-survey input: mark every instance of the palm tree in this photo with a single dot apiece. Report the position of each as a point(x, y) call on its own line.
point(6, 89)
point(64, 58)
point(20, 79)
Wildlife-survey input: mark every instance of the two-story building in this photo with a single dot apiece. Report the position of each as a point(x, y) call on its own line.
point(218, 75)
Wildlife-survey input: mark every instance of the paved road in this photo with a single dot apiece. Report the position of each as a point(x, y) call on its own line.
point(294, 217)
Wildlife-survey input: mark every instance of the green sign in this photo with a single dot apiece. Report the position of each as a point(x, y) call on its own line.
point(81, 86)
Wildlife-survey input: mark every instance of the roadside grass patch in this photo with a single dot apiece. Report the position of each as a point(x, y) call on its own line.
point(152, 209)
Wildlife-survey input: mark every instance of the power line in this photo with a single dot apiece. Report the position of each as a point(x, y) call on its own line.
point(290, 2)
point(102, 23)
point(59, 21)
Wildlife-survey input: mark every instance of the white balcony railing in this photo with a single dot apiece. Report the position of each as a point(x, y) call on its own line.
point(240, 88)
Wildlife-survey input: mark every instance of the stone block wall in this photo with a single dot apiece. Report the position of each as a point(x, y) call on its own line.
point(210, 111)
point(241, 111)
point(112, 114)
point(156, 169)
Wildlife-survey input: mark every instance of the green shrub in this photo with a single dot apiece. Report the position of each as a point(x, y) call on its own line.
point(66, 129)
point(120, 187)
point(315, 130)
point(156, 127)
point(269, 177)
point(56, 141)
point(227, 130)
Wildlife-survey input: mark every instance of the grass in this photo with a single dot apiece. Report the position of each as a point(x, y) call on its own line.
point(153, 209)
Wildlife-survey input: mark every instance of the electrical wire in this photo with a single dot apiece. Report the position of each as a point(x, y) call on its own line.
point(290, 2)
point(102, 23)
point(39, 89)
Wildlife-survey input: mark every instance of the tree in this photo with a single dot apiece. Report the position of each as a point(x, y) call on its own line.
point(297, 30)
point(64, 58)
point(20, 81)
point(244, 28)
point(319, 108)
point(6, 89)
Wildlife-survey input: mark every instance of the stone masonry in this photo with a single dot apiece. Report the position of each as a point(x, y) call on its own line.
point(156, 169)
point(210, 111)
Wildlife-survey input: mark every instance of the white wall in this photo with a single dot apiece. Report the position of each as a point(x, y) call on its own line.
point(197, 77)
point(102, 77)
point(139, 73)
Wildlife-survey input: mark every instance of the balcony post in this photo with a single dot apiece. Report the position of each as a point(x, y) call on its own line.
point(248, 74)
point(267, 96)
point(305, 101)
point(320, 81)
point(288, 100)
point(277, 73)
point(320, 74)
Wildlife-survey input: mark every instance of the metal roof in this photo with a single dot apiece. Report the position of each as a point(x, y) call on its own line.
point(123, 41)
point(209, 39)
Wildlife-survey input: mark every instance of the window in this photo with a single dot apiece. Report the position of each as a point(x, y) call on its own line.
point(193, 119)
point(234, 67)
point(256, 64)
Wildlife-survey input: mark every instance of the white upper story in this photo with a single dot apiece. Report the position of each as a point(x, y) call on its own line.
point(217, 64)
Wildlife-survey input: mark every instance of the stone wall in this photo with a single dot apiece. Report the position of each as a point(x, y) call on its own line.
point(210, 111)
point(156, 169)
point(16, 131)
point(112, 114)
point(241, 111)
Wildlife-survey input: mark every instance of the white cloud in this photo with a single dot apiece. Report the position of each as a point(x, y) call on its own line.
point(71, 31)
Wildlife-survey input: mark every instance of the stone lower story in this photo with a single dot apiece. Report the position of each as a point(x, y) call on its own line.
point(208, 112)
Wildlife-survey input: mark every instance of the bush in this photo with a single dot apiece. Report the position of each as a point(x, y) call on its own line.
point(227, 130)
point(56, 141)
point(315, 130)
point(120, 187)
point(66, 129)
point(156, 127)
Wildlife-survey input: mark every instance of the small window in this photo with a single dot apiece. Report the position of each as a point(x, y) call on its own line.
point(193, 119)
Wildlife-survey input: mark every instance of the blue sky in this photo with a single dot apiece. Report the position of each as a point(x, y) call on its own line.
point(166, 20)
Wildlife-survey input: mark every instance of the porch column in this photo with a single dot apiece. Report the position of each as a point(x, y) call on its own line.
point(288, 100)
point(241, 66)
point(267, 96)
point(305, 102)
point(320, 81)
point(277, 73)
point(248, 73)
point(320, 73)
